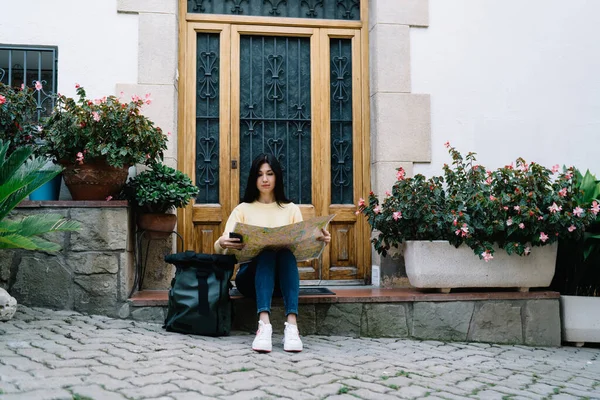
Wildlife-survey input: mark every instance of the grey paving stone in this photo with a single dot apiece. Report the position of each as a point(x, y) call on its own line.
point(47, 394)
point(95, 392)
point(413, 391)
point(149, 391)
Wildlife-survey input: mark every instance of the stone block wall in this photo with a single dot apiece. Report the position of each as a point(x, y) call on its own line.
point(94, 271)
point(531, 322)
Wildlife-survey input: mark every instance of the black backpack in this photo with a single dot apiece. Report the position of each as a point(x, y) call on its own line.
point(199, 300)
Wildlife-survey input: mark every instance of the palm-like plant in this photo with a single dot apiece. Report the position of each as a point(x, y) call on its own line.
point(18, 178)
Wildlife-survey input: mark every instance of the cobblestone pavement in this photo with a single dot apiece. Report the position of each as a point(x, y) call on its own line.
point(65, 355)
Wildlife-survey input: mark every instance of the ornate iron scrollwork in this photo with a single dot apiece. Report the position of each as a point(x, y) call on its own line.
point(275, 6)
point(312, 7)
point(275, 71)
point(207, 80)
point(348, 6)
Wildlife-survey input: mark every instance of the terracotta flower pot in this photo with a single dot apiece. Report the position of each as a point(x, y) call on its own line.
point(157, 225)
point(94, 181)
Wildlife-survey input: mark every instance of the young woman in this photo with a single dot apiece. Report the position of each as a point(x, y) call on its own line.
point(264, 204)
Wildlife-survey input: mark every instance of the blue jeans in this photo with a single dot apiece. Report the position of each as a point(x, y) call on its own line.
point(272, 271)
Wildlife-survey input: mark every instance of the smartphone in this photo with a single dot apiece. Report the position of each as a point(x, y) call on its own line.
point(236, 235)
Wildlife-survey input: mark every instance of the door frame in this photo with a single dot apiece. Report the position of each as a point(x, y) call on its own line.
point(189, 23)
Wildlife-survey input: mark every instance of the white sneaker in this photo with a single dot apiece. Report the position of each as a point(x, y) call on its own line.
point(291, 338)
point(262, 341)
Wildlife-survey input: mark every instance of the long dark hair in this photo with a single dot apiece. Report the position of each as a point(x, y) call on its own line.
point(252, 193)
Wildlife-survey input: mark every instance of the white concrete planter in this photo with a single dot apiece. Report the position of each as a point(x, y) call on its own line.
point(439, 265)
point(580, 319)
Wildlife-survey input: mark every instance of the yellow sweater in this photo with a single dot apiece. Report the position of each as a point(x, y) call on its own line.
point(260, 214)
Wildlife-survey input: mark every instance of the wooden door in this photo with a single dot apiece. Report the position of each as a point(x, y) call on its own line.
point(296, 92)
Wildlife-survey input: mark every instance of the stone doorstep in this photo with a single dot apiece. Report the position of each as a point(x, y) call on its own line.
point(503, 317)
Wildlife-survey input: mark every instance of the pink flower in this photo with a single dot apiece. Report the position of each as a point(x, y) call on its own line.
point(509, 222)
point(168, 133)
point(400, 174)
point(455, 222)
point(492, 198)
point(23, 87)
point(523, 167)
point(505, 208)
point(554, 208)
point(568, 175)
point(447, 144)
point(555, 168)
point(457, 232)
point(361, 202)
point(98, 102)
point(522, 225)
point(109, 198)
point(387, 193)
point(517, 208)
point(465, 230)
point(543, 237)
point(578, 211)
point(487, 256)
point(147, 156)
point(357, 213)
point(96, 116)
point(595, 207)
point(38, 85)
point(80, 158)
point(2, 99)
point(540, 218)
point(527, 250)
point(488, 180)
point(562, 192)
point(396, 215)
point(148, 99)
point(135, 98)
point(571, 228)
point(77, 86)
point(377, 210)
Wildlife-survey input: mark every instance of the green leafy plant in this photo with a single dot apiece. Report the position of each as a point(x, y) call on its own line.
point(518, 206)
point(83, 130)
point(17, 117)
point(578, 260)
point(18, 178)
point(160, 189)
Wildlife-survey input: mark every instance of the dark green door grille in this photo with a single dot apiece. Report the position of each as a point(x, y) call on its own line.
point(207, 118)
point(316, 9)
point(275, 108)
point(341, 121)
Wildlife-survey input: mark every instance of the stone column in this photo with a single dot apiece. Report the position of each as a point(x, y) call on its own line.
point(400, 119)
point(157, 75)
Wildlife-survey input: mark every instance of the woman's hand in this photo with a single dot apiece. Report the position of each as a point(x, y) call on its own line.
point(230, 243)
point(326, 236)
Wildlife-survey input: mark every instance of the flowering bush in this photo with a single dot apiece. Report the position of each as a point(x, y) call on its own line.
point(83, 130)
point(516, 207)
point(17, 116)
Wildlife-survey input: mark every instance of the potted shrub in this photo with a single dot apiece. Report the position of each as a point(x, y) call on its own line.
point(577, 275)
point(98, 140)
point(19, 127)
point(521, 208)
point(155, 192)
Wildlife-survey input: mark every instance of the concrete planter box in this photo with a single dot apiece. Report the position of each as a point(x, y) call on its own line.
point(580, 319)
point(439, 265)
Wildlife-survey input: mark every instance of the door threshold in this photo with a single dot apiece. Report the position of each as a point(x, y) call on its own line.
point(339, 282)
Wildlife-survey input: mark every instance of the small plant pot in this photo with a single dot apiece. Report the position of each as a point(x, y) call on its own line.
point(158, 225)
point(49, 191)
point(94, 180)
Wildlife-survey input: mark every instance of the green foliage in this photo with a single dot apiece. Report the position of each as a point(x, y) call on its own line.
point(578, 259)
point(160, 189)
point(516, 207)
point(82, 130)
point(17, 117)
point(19, 176)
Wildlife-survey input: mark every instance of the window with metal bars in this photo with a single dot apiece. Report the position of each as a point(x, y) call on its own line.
point(27, 65)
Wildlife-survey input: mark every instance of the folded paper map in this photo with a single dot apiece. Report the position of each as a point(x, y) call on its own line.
point(300, 238)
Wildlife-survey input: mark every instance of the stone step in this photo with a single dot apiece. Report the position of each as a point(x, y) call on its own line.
point(499, 316)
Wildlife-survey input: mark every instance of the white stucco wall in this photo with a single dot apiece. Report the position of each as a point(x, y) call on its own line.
point(97, 47)
point(511, 78)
